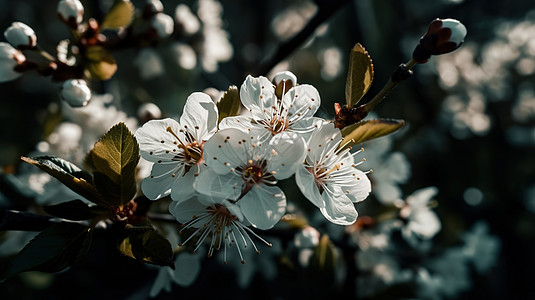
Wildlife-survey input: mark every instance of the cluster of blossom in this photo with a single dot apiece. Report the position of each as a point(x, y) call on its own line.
point(222, 176)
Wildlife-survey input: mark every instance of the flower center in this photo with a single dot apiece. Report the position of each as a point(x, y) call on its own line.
point(192, 151)
point(253, 174)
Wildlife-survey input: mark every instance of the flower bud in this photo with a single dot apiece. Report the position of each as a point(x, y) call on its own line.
point(151, 8)
point(284, 80)
point(148, 111)
point(9, 59)
point(163, 25)
point(21, 35)
point(71, 12)
point(443, 36)
point(76, 92)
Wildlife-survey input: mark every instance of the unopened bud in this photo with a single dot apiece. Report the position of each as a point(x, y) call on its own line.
point(9, 59)
point(76, 92)
point(284, 81)
point(152, 7)
point(443, 36)
point(71, 12)
point(148, 111)
point(21, 35)
point(163, 25)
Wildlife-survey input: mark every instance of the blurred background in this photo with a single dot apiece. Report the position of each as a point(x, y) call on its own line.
point(470, 133)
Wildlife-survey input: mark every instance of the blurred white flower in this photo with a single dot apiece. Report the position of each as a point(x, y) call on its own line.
point(9, 59)
point(185, 55)
point(187, 22)
point(163, 25)
point(422, 222)
point(216, 46)
point(480, 247)
point(149, 63)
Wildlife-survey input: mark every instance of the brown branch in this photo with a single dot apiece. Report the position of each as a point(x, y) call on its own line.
point(325, 10)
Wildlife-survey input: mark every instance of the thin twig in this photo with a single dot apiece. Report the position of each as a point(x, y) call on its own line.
point(325, 10)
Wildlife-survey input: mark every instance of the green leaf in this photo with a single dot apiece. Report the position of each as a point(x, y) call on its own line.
point(114, 158)
point(77, 210)
point(101, 64)
point(229, 104)
point(120, 15)
point(69, 174)
point(368, 130)
point(57, 247)
point(359, 75)
point(145, 244)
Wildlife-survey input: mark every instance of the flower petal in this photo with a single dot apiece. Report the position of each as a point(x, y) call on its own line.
point(258, 96)
point(263, 206)
point(185, 211)
point(361, 187)
point(288, 153)
point(219, 186)
point(200, 116)
point(183, 189)
point(226, 149)
point(239, 122)
point(338, 208)
point(155, 142)
point(302, 101)
point(321, 141)
point(161, 180)
point(307, 184)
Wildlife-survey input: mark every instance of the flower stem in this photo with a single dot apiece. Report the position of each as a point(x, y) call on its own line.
point(401, 73)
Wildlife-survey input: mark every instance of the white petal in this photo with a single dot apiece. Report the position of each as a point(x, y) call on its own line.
point(183, 189)
point(200, 116)
point(219, 186)
point(161, 180)
point(162, 282)
point(263, 206)
point(258, 96)
point(226, 149)
point(155, 142)
point(187, 268)
point(302, 101)
point(8, 62)
point(239, 122)
point(321, 141)
point(288, 153)
point(420, 198)
point(185, 211)
point(338, 209)
point(361, 187)
point(307, 184)
point(306, 126)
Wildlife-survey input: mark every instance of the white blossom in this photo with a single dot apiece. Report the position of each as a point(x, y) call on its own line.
point(217, 219)
point(329, 177)
point(269, 115)
point(9, 59)
point(176, 149)
point(246, 172)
